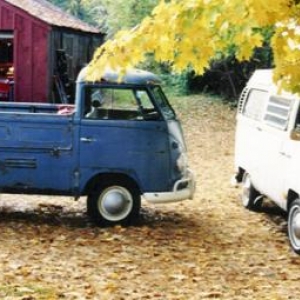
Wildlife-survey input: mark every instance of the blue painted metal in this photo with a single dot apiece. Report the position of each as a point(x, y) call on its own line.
point(137, 149)
point(36, 151)
point(47, 152)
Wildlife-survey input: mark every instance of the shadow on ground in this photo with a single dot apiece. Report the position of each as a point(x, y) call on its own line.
point(55, 215)
point(275, 214)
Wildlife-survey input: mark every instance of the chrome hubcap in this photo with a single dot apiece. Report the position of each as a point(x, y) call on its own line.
point(295, 226)
point(115, 203)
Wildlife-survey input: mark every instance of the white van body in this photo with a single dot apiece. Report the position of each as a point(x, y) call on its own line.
point(267, 148)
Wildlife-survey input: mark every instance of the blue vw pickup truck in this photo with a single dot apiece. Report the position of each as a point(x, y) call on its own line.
point(118, 143)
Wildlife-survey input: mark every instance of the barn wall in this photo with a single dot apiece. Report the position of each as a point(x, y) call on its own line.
point(35, 45)
point(79, 48)
point(6, 18)
point(30, 53)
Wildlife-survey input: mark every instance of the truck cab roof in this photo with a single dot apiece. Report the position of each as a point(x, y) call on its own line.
point(133, 76)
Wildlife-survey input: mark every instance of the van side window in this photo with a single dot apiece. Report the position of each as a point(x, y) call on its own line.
point(278, 111)
point(255, 104)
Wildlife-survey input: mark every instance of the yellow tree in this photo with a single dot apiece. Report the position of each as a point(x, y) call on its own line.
point(189, 33)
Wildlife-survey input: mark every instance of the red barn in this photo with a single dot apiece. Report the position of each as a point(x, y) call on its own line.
point(42, 49)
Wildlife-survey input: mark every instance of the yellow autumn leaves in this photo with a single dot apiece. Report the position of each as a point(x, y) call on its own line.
point(286, 45)
point(189, 33)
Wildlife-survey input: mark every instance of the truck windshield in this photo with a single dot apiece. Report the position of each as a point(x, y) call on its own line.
point(122, 103)
point(163, 103)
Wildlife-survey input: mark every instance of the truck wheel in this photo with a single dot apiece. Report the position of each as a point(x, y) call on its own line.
point(294, 225)
point(250, 196)
point(114, 202)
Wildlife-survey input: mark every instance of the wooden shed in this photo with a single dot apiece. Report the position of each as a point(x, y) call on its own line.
point(42, 49)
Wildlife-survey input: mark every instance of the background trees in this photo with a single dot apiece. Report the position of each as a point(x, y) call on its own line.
point(203, 40)
point(110, 15)
point(189, 34)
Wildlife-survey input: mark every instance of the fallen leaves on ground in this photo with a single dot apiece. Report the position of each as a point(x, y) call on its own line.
point(207, 248)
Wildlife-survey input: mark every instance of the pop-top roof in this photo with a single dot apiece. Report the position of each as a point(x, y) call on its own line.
point(52, 15)
point(262, 77)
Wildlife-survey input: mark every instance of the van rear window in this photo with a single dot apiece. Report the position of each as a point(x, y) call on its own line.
point(255, 104)
point(278, 111)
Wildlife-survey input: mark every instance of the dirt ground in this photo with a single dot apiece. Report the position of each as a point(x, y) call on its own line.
point(207, 248)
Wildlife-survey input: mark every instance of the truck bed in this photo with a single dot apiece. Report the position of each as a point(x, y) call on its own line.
point(40, 108)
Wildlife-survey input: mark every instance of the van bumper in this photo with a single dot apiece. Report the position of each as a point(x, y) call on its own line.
point(176, 194)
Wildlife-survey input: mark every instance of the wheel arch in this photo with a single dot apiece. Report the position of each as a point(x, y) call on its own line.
point(92, 183)
point(292, 196)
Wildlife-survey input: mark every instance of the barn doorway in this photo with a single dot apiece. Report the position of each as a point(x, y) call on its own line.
point(6, 65)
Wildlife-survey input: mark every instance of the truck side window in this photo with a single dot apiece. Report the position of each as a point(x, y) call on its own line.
point(117, 103)
point(255, 104)
point(278, 112)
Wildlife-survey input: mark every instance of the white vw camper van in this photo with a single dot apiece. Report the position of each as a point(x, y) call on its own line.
point(267, 149)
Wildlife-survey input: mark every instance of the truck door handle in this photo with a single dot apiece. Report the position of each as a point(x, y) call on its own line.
point(87, 140)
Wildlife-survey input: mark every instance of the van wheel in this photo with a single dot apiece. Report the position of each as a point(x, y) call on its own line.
point(294, 225)
point(250, 196)
point(114, 202)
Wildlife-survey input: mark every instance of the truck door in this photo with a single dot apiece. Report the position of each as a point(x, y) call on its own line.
point(290, 156)
point(249, 140)
point(122, 132)
point(276, 153)
point(36, 152)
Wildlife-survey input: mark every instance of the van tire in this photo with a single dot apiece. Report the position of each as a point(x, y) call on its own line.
point(114, 202)
point(294, 225)
point(251, 198)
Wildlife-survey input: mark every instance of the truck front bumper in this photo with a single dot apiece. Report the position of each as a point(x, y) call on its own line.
point(177, 194)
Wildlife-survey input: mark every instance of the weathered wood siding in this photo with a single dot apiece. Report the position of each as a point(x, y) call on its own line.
point(79, 47)
point(35, 46)
point(30, 53)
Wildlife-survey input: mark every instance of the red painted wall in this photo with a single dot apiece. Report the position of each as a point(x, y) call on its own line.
point(30, 53)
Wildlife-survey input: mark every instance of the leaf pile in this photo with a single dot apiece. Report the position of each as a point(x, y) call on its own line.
point(208, 248)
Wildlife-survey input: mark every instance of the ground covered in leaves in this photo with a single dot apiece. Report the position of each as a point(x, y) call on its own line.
point(208, 248)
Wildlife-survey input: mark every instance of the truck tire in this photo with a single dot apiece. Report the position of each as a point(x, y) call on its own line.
point(250, 196)
point(294, 225)
point(114, 202)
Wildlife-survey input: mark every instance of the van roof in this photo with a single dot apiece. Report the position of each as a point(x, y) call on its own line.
point(262, 78)
point(134, 76)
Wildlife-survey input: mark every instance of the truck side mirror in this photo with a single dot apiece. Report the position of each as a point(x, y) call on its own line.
point(295, 133)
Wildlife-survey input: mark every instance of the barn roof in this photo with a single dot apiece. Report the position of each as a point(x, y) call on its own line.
point(52, 14)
